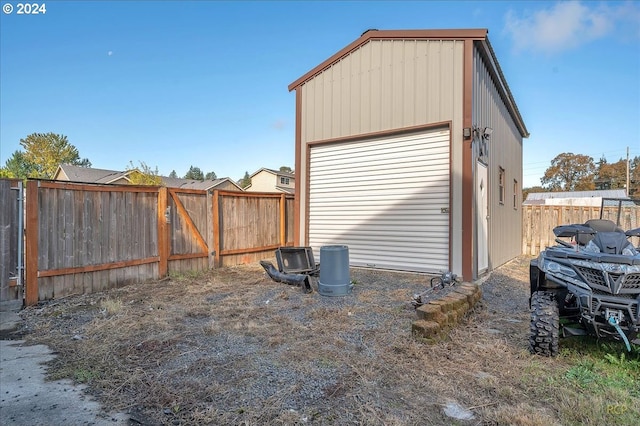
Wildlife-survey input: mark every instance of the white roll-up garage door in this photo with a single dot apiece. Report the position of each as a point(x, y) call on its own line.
point(386, 198)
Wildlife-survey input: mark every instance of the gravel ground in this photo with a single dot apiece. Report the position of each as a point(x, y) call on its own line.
point(233, 347)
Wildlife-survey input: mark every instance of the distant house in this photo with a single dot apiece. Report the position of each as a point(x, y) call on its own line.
point(71, 173)
point(267, 180)
point(573, 198)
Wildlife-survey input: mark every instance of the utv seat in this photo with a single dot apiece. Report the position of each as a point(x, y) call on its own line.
point(598, 225)
point(611, 242)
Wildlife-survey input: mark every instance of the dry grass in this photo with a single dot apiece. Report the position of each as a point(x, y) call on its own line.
point(232, 347)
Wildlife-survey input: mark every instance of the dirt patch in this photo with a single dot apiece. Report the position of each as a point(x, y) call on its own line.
point(233, 347)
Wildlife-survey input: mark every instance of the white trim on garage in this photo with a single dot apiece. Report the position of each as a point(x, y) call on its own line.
point(387, 199)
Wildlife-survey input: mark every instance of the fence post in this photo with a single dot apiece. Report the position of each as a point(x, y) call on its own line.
point(283, 220)
point(210, 232)
point(216, 228)
point(31, 245)
point(163, 228)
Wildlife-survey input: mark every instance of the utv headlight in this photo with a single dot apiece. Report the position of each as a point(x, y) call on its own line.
point(556, 268)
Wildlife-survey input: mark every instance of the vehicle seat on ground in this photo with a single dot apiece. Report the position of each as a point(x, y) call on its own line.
point(598, 225)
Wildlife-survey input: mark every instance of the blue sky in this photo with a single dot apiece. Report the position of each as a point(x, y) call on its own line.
point(204, 83)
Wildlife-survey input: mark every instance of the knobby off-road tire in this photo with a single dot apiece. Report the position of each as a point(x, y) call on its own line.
point(545, 324)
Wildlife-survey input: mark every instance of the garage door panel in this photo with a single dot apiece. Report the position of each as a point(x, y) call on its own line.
point(345, 198)
point(401, 222)
point(392, 157)
point(384, 185)
point(388, 180)
point(385, 171)
point(434, 221)
point(363, 249)
point(424, 142)
point(383, 198)
point(381, 163)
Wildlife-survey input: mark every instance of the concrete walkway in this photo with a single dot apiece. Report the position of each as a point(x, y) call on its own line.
point(25, 397)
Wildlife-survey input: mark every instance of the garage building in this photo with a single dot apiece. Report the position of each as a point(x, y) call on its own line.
point(409, 151)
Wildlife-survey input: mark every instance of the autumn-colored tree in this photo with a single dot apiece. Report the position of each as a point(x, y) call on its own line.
point(46, 151)
point(634, 177)
point(143, 175)
point(614, 175)
point(570, 172)
point(611, 175)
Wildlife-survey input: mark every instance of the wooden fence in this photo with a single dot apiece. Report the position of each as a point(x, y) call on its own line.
point(83, 238)
point(538, 222)
point(10, 225)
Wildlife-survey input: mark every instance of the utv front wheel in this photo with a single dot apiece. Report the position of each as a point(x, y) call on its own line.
point(545, 324)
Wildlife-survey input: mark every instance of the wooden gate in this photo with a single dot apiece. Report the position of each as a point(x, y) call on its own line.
point(11, 239)
point(189, 214)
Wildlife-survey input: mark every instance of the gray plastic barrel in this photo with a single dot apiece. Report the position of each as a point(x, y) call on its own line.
point(334, 271)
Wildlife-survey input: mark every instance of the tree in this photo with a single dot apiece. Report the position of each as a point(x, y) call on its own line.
point(245, 181)
point(614, 175)
point(194, 173)
point(634, 177)
point(18, 167)
point(611, 175)
point(143, 175)
point(46, 151)
point(527, 191)
point(211, 176)
point(173, 174)
point(570, 172)
point(286, 169)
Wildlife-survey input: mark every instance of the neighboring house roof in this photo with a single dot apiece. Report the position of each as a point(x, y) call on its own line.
point(196, 184)
point(275, 172)
point(89, 175)
point(479, 36)
point(286, 190)
point(541, 197)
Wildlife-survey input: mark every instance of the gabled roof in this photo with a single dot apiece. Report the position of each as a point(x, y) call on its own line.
point(89, 175)
point(196, 184)
point(286, 189)
point(479, 36)
point(275, 172)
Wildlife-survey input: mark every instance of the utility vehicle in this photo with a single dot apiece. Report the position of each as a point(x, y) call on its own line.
point(589, 284)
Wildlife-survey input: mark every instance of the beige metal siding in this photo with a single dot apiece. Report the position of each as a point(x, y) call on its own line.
point(385, 198)
point(505, 150)
point(385, 85)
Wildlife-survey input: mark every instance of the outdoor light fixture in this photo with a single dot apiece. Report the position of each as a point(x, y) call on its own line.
point(483, 133)
point(466, 132)
point(481, 137)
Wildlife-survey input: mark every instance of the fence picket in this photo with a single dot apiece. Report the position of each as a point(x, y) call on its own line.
point(538, 222)
point(84, 238)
